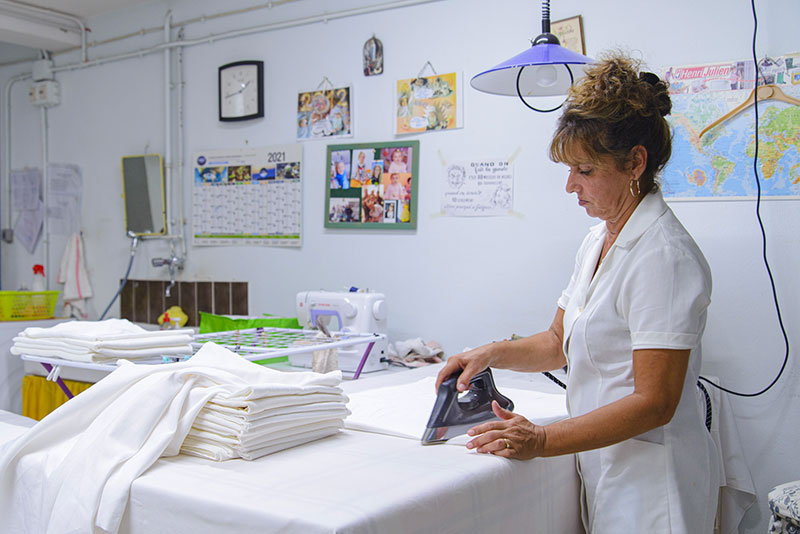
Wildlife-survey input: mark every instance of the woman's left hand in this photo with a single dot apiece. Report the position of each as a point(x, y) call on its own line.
point(511, 437)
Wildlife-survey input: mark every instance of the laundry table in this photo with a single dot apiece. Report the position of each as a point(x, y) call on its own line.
point(359, 482)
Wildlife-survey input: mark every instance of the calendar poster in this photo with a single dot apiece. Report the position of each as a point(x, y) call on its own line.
point(248, 196)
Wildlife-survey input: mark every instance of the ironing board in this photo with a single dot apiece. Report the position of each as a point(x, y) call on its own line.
point(254, 344)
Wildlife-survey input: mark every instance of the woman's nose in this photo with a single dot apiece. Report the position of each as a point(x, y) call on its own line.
point(571, 183)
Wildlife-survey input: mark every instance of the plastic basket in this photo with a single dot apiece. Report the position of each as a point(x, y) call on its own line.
point(23, 305)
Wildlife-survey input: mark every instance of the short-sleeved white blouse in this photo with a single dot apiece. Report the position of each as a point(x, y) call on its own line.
point(651, 291)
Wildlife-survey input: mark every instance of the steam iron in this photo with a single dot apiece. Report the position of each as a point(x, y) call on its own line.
point(453, 413)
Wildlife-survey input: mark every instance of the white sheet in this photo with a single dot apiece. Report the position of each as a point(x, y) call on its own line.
point(105, 356)
point(403, 410)
point(357, 483)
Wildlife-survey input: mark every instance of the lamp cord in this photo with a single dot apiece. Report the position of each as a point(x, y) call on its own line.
point(546, 16)
point(761, 226)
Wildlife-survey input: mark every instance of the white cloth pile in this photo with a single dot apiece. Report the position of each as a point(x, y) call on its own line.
point(73, 470)
point(415, 352)
point(269, 417)
point(102, 341)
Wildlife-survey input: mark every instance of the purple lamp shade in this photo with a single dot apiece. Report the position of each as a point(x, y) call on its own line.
point(547, 70)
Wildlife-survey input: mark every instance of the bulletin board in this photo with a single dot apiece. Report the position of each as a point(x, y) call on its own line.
point(372, 185)
point(248, 196)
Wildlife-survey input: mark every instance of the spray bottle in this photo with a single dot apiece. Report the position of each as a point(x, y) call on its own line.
point(38, 283)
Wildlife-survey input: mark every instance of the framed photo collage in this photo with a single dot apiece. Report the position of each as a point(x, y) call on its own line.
point(372, 185)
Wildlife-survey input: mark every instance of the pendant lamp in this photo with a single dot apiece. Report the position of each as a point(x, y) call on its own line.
point(545, 69)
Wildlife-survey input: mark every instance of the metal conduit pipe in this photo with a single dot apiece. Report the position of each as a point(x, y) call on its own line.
point(179, 148)
point(246, 31)
point(45, 198)
point(7, 133)
point(167, 117)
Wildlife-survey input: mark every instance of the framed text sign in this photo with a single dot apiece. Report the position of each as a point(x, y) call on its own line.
point(372, 185)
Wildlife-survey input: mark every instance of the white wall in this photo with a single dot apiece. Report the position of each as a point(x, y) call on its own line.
point(460, 281)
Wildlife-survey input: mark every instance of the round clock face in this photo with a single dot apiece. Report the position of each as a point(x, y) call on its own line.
point(239, 92)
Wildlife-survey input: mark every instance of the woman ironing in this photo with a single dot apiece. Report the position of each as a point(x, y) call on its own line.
point(628, 325)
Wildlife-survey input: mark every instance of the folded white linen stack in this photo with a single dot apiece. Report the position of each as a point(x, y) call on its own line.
point(102, 341)
point(72, 471)
point(268, 419)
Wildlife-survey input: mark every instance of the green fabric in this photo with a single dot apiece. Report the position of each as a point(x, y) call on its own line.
point(219, 323)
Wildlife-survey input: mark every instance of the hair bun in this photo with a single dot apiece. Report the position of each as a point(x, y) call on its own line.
point(661, 89)
point(649, 77)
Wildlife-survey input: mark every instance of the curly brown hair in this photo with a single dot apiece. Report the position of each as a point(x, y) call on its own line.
point(614, 108)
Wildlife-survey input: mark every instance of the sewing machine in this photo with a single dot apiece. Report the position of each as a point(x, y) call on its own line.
point(345, 312)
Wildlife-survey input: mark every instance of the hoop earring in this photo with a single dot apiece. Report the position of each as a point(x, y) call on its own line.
point(634, 185)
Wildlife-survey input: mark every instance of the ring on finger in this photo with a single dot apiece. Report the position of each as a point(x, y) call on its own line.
point(508, 443)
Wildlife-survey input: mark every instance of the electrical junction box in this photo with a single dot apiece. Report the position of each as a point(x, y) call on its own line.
point(42, 70)
point(46, 93)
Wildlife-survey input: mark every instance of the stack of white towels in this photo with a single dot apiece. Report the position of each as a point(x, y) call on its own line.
point(281, 411)
point(73, 470)
point(102, 341)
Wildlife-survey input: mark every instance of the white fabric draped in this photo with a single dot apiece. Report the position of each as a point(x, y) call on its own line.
point(72, 471)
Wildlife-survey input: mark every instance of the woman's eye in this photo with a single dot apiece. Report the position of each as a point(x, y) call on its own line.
point(585, 172)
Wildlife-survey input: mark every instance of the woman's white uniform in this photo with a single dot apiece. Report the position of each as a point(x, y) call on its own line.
point(650, 292)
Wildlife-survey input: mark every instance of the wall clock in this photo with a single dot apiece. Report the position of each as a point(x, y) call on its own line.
point(241, 91)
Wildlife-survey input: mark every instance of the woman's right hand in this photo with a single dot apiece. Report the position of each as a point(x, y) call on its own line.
point(470, 362)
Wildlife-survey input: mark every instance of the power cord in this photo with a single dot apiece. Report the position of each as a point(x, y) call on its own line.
point(761, 226)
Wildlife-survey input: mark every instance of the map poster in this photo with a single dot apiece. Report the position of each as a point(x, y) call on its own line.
point(719, 164)
point(425, 104)
point(248, 196)
point(478, 188)
point(324, 113)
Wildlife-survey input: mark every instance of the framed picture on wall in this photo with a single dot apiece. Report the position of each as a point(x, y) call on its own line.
point(428, 103)
point(570, 33)
point(372, 185)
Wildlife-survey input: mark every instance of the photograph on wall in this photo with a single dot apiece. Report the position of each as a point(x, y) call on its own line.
point(248, 196)
point(372, 184)
point(428, 103)
point(324, 113)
